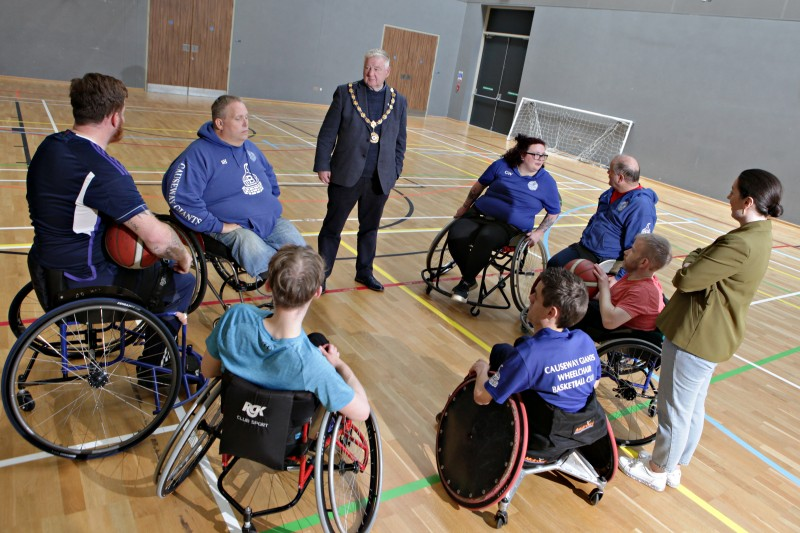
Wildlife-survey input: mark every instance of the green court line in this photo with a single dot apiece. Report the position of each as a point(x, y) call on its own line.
point(746, 366)
point(387, 495)
point(408, 488)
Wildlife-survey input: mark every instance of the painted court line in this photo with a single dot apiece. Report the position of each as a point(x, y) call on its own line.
point(52, 122)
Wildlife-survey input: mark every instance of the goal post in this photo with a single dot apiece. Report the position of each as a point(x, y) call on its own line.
point(584, 135)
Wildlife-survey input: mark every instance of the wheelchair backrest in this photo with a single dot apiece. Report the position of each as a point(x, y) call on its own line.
point(262, 424)
point(51, 289)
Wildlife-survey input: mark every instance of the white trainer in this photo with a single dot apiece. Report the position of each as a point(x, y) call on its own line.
point(639, 471)
point(673, 478)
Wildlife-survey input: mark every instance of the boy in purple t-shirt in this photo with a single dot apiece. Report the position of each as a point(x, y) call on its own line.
point(555, 367)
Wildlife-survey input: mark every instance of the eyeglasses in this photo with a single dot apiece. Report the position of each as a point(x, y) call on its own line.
point(537, 156)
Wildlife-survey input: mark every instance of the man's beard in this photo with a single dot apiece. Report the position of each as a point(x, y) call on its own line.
point(118, 134)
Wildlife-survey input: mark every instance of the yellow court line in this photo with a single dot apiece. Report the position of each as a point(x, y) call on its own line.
point(461, 329)
point(707, 507)
point(470, 174)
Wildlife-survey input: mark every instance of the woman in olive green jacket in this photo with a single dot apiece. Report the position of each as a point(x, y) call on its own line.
point(704, 324)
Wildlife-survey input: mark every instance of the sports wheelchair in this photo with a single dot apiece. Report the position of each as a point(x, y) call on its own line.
point(482, 453)
point(630, 361)
point(205, 250)
point(628, 390)
point(78, 382)
point(295, 438)
point(516, 264)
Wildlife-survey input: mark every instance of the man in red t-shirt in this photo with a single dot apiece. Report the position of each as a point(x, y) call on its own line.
point(635, 300)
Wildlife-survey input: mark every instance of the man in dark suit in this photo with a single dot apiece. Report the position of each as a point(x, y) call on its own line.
point(360, 151)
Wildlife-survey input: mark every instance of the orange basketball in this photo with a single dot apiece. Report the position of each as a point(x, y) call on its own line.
point(584, 269)
point(126, 249)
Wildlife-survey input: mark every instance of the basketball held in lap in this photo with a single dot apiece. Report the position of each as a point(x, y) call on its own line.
point(584, 269)
point(126, 249)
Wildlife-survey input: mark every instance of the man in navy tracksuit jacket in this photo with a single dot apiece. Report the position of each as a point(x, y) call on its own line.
point(623, 211)
point(222, 185)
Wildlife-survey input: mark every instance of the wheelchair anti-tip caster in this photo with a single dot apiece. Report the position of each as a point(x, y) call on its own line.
point(25, 400)
point(475, 311)
point(595, 496)
point(247, 525)
point(501, 519)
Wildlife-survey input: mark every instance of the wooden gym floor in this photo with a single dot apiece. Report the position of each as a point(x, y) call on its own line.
point(411, 349)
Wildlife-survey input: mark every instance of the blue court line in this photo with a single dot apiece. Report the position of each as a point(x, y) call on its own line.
point(269, 143)
point(755, 452)
point(546, 238)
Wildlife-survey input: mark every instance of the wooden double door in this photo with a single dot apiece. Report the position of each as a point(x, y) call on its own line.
point(189, 46)
point(413, 56)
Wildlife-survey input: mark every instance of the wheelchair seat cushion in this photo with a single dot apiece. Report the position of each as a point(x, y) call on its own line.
point(261, 424)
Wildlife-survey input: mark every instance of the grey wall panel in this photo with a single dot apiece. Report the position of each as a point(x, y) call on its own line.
point(467, 62)
point(59, 40)
point(710, 96)
point(767, 9)
point(301, 50)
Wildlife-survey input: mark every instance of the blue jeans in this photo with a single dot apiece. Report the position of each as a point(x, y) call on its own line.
point(252, 252)
point(682, 393)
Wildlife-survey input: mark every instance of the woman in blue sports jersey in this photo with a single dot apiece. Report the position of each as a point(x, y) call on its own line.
point(517, 187)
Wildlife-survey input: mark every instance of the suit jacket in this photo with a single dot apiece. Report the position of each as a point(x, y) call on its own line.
point(706, 315)
point(343, 139)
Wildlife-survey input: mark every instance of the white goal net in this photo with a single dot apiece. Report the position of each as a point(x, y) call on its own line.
point(587, 136)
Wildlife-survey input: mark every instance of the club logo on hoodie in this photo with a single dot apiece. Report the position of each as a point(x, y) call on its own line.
point(252, 185)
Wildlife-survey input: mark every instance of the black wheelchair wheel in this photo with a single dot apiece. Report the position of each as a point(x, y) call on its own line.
point(24, 310)
point(438, 262)
point(199, 267)
point(348, 473)
point(528, 263)
point(187, 446)
point(480, 449)
point(628, 389)
point(93, 393)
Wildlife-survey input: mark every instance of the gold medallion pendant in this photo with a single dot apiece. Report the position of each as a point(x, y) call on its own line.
point(374, 138)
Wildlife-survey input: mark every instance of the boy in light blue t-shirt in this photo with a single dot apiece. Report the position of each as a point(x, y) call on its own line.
point(270, 349)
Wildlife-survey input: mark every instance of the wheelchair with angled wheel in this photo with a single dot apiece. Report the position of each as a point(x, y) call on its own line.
point(513, 266)
point(207, 250)
point(296, 439)
point(96, 373)
point(628, 390)
point(482, 451)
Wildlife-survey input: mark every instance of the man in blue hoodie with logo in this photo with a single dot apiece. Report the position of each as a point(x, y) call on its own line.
point(623, 211)
point(223, 186)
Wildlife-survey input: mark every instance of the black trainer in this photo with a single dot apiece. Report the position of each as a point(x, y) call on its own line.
point(461, 291)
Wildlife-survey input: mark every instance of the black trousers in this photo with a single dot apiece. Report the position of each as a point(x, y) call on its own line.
point(592, 322)
point(341, 200)
point(472, 239)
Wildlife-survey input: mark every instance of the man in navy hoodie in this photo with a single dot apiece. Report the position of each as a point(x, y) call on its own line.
point(623, 211)
point(223, 186)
